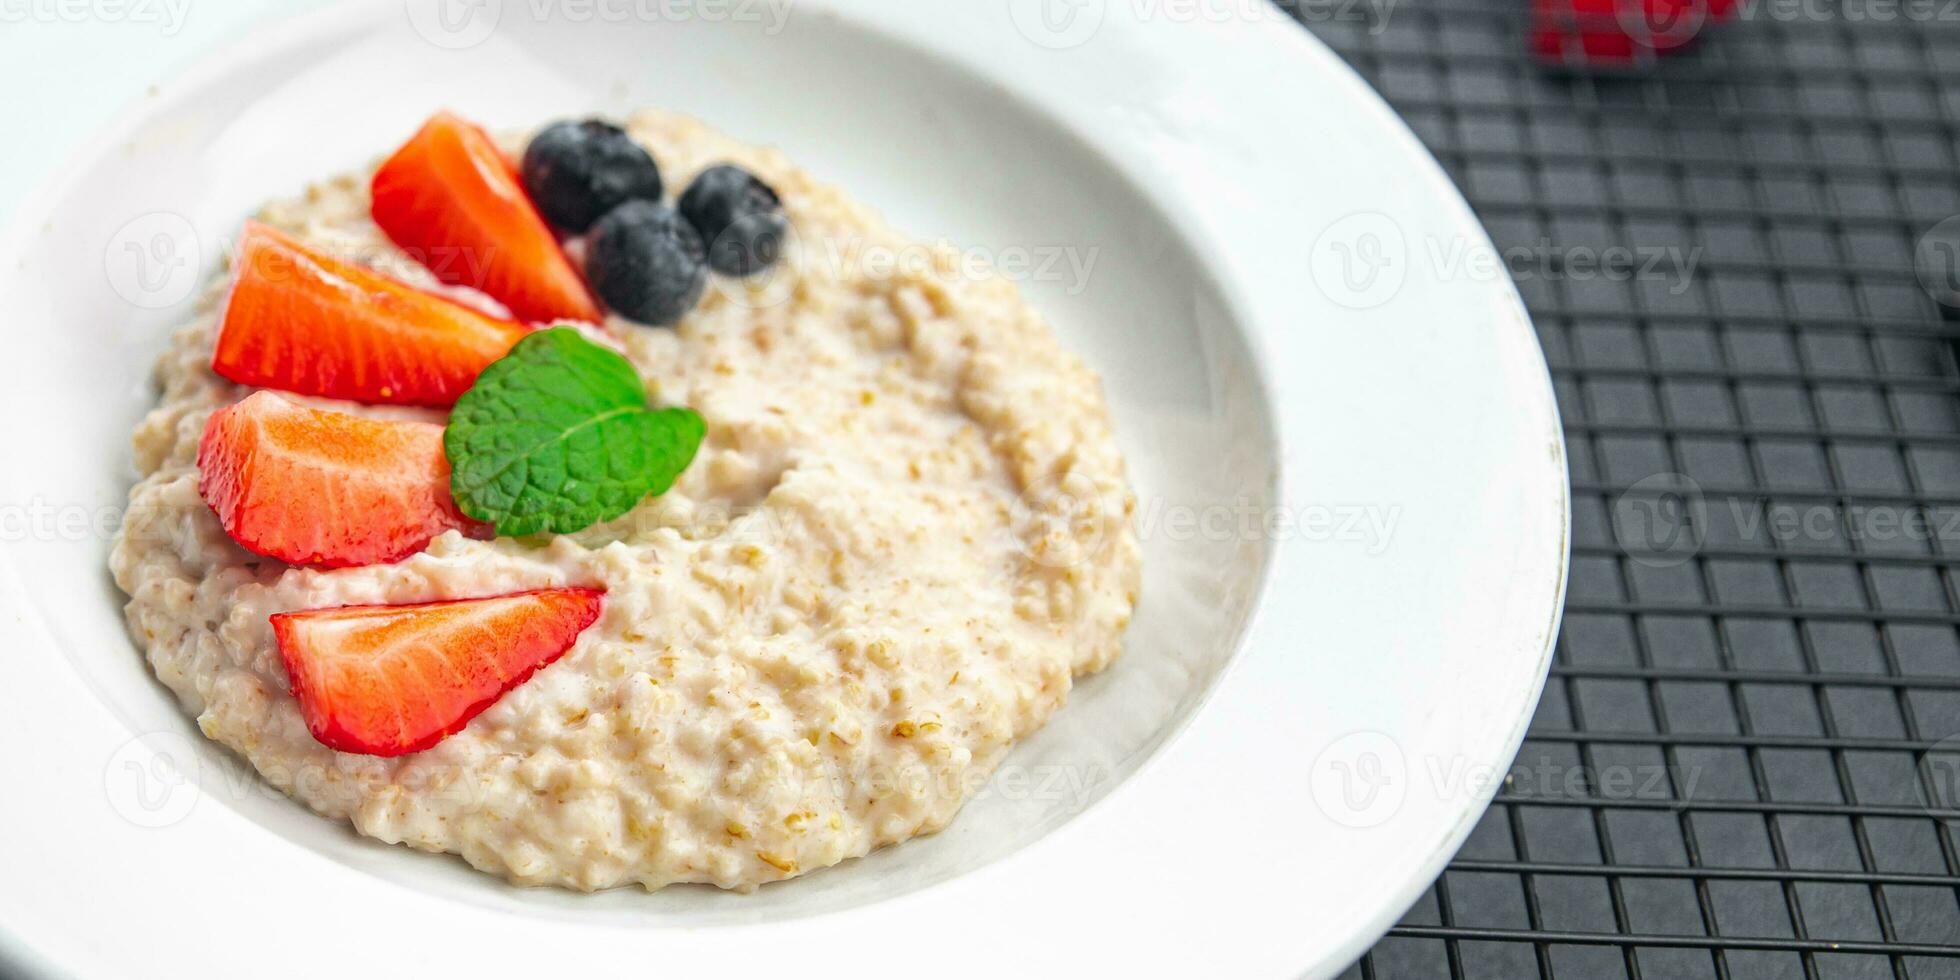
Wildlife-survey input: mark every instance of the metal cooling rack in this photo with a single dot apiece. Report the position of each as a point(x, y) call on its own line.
point(1738, 768)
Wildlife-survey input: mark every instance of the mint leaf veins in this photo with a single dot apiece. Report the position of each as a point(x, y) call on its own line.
point(556, 436)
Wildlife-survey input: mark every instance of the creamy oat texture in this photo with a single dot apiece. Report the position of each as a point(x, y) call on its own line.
point(906, 532)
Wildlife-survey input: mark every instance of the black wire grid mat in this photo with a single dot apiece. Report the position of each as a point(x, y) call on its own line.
point(1738, 769)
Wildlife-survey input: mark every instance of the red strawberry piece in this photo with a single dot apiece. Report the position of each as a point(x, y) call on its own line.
point(300, 320)
point(390, 680)
point(1579, 33)
point(325, 488)
point(1617, 33)
point(449, 198)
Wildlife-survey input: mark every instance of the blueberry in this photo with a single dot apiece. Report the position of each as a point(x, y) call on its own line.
point(739, 217)
point(578, 171)
point(646, 263)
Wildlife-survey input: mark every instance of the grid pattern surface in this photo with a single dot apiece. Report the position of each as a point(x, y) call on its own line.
point(1739, 767)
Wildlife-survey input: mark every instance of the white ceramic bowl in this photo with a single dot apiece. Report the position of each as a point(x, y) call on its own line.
point(1351, 473)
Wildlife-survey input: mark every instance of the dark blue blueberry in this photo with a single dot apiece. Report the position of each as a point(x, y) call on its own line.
point(646, 263)
point(577, 171)
point(739, 217)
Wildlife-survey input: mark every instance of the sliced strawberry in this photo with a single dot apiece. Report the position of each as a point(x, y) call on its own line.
point(449, 198)
point(300, 320)
point(1617, 33)
point(325, 488)
point(390, 680)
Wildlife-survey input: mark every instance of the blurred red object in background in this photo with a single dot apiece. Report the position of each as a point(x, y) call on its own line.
point(1618, 33)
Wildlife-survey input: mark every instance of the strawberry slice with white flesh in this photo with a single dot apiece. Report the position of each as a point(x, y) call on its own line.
point(313, 487)
point(390, 680)
point(299, 320)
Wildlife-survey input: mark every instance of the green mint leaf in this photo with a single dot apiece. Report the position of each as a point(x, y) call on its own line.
point(556, 437)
